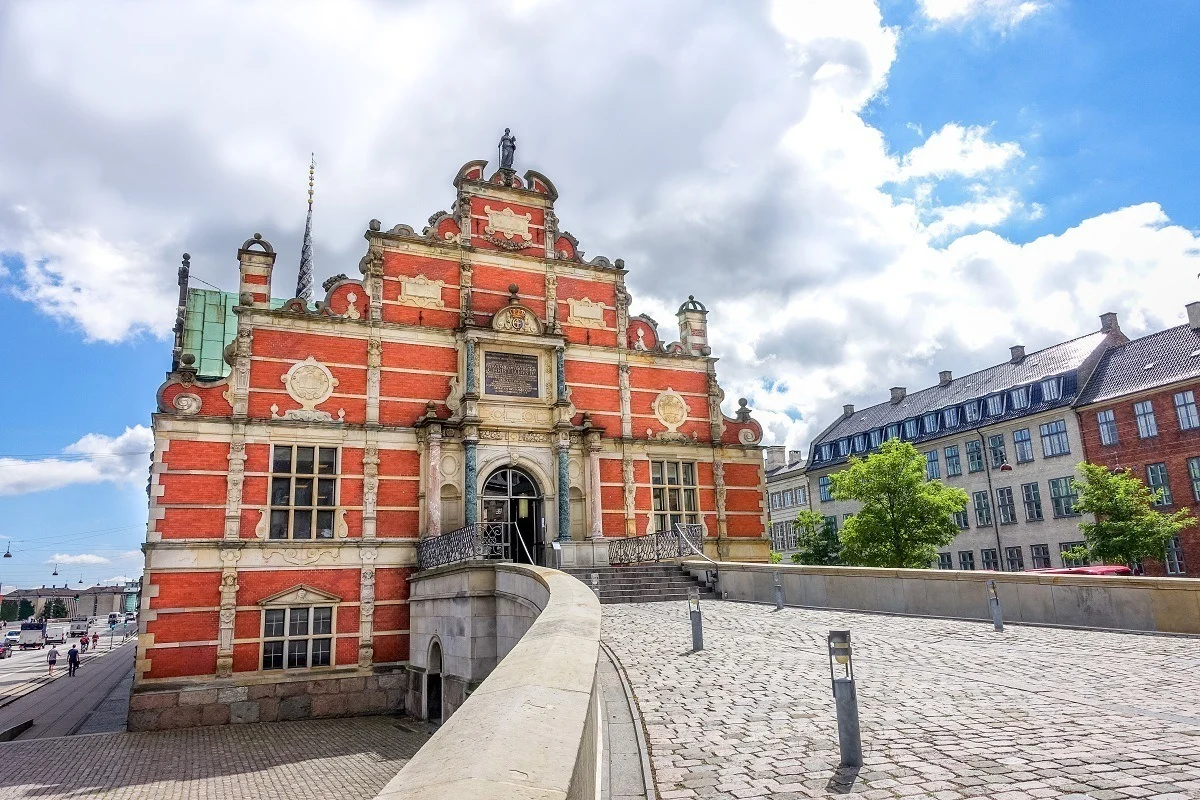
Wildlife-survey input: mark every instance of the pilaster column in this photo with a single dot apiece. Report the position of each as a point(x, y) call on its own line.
point(374, 362)
point(470, 474)
point(370, 488)
point(366, 608)
point(230, 553)
point(233, 482)
point(626, 411)
point(722, 526)
point(630, 491)
point(433, 486)
point(560, 373)
point(595, 512)
point(564, 488)
point(472, 383)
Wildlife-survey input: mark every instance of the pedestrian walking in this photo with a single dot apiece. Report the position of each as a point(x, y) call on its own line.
point(52, 658)
point(95, 640)
point(83, 643)
point(72, 661)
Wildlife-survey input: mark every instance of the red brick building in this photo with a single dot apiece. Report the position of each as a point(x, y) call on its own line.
point(480, 369)
point(1139, 412)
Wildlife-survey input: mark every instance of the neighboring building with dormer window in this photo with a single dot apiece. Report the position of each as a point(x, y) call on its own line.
point(1007, 435)
point(787, 496)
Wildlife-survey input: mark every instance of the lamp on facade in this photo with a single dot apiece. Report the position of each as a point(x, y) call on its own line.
point(845, 698)
point(1006, 467)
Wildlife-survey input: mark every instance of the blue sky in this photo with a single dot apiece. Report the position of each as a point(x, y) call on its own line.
point(861, 195)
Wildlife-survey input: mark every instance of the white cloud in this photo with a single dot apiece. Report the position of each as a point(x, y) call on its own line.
point(957, 150)
point(82, 558)
point(725, 154)
point(95, 458)
point(119, 579)
point(1002, 14)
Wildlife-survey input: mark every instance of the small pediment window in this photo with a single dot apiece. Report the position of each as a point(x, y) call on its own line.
point(298, 595)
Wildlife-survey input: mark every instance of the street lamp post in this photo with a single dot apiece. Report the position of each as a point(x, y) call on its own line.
point(845, 698)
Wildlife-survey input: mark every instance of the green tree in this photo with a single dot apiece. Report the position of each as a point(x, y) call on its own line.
point(1127, 528)
point(8, 610)
point(817, 543)
point(904, 519)
point(25, 609)
point(54, 609)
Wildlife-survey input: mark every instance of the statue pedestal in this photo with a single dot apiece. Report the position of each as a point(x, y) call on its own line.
point(585, 553)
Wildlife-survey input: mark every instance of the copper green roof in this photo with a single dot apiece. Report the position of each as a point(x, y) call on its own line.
point(208, 326)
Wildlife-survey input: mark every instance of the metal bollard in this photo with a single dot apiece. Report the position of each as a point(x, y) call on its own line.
point(778, 592)
point(994, 603)
point(697, 622)
point(845, 699)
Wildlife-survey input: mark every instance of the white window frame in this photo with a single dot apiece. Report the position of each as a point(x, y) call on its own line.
point(1020, 398)
point(950, 417)
point(1006, 507)
point(1147, 425)
point(662, 493)
point(1051, 389)
point(1055, 437)
point(1185, 410)
point(291, 510)
point(308, 637)
point(1023, 448)
point(1106, 421)
point(1159, 469)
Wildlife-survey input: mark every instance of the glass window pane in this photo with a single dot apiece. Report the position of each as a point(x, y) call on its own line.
point(325, 487)
point(273, 622)
point(656, 472)
point(672, 473)
point(283, 459)
point(281, 491)
point(327, 461)
point(273, 655)
point(689, 499)
point(673, 500)
point(304, 492)
point(302, 525)
point(658, 499)
point(497, 483)
point(298, 622)
point(304, 460)
point(297, 653)
point(522, 486)
point(689, 474)
point(322, 649)
point(324, 524)
point(279, 525)
point(322, 620)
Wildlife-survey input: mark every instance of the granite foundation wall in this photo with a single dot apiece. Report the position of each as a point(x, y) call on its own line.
point(153, 709)
point(1151, 605)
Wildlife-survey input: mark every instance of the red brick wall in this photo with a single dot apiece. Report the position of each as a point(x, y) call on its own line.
point(1171, 446)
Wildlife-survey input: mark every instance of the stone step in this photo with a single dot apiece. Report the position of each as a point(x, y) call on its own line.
point(641, 583)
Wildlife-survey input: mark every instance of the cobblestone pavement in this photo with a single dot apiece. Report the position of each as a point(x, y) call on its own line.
point(948, 709)
point(352, 757)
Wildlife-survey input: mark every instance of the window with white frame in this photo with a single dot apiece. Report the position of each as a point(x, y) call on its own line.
point(1041, 555)
point(1147, 425)
point(1020, 398)
point(1071, 562)
point(974, 456)
point(801, 496)
point(950, 417)
point(826, 452)
point(990, 559)
point(297, 637)
point(1156, 479)
point(860, 443)
point(971, 411)
point(1023, 446)
point(996, 450)
point(1107, 422)
point(962, 519)
point(953, 463)
point(1006, 509)
point(843, 447)
point(1051, 389)
point(876, 437)
point(1174, 560)
point(893, 431)
point(825, 486)
point(910, 429)
point(983, 510)
point(930, 422)
point(932, 468)
point(673, 494)
point(1054, 439)
point(1014, 559)
point(1063, 497)
point(995, 405)
point(1193, 465)
point(1031, 497)
point(303, 492)
point(1185, 409)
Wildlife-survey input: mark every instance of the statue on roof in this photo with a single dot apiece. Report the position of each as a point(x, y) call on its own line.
point(508, 149)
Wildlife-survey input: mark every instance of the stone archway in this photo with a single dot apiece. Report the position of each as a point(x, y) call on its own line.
point(433, 683)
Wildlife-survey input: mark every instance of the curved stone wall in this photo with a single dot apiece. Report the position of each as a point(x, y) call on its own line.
point(520, 643)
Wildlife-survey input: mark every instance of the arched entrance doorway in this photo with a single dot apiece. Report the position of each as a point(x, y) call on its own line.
point(433, 684)
point(511, 496)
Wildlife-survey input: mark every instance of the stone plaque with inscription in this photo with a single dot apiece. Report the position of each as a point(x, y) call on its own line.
point(510, 374)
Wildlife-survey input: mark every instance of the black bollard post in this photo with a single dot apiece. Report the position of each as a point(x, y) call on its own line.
point(994, 603)
point(697, 623)
point(845, 699)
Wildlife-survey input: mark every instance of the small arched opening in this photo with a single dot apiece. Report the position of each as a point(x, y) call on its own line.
point(512, 497)
point(433, 684)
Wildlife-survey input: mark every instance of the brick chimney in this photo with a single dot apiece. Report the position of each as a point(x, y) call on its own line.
point(1193, 310)
point(898, 393)
point(1108, 322)
point(1016, 353)
point(693, 327)
point(256, 259)
point(794, 456)
point(848, 410)
point(945, 378)
point(776, 457)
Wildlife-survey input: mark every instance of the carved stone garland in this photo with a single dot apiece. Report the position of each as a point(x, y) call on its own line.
point(366, 608)
point(370, 489)
point(374, 362)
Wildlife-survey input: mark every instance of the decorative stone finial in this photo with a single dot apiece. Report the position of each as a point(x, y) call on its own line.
point(512, 292)
point(743, 413)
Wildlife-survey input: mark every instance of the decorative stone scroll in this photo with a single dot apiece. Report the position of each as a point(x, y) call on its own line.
point(421, 292)
point(586, 313)
point(506, 222)
point(671, 409)
point(186, 403)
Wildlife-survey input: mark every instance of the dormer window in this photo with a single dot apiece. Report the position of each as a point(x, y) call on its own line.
point(1020, 397)
point(1051, 389)
point(826, 452)
point(910, 429)
point(876, 437)
point(931, 422)
point(971, 411)
point(950, 416)
point(995, 405)
point(860, 443)
point(843, 447)
point(893, 431)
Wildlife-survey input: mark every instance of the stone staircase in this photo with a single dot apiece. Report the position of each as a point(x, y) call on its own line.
point(642, 583)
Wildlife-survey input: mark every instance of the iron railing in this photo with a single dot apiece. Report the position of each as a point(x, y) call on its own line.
point(479, 540)
point(684, 540)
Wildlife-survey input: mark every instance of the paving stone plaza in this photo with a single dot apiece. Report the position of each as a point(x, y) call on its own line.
point(948, 709)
